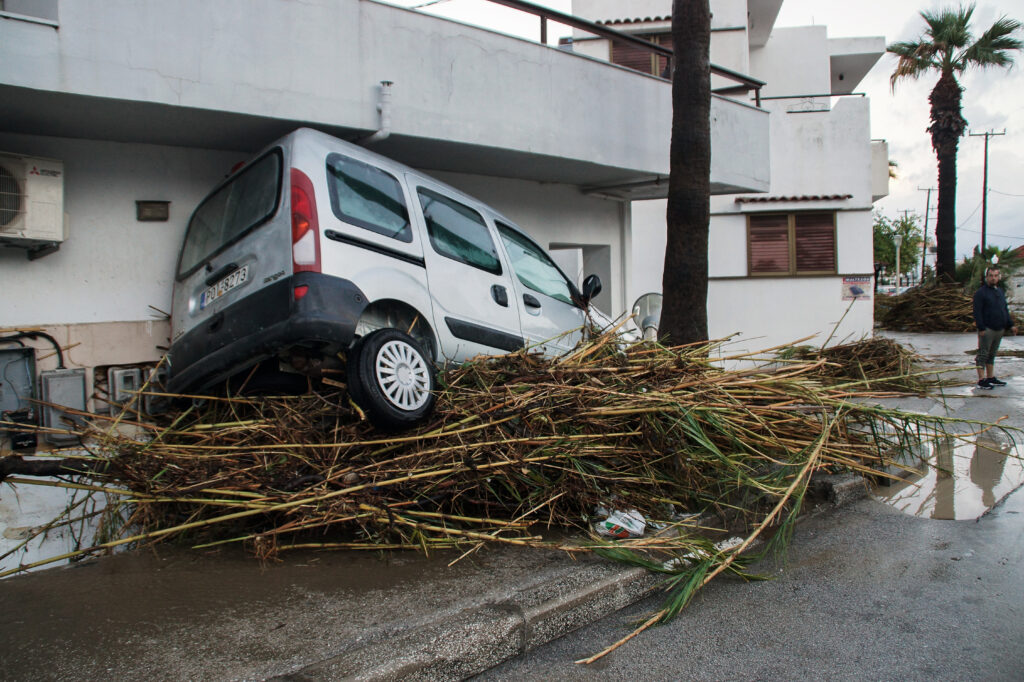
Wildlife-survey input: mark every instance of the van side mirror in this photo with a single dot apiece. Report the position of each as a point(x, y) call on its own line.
point(591, 288)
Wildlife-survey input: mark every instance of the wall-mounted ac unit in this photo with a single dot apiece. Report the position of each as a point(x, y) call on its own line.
point(31, 201)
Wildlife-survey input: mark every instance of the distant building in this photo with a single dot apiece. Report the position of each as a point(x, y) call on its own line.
point(782, 262)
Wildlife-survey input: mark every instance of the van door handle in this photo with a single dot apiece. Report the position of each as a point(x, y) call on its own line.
point(221, 274)
point(500, 295)
point(530, 301)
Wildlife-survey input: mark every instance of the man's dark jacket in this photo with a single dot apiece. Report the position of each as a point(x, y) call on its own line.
point(990, 311)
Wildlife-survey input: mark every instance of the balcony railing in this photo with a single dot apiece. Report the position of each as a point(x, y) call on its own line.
point(744, 83)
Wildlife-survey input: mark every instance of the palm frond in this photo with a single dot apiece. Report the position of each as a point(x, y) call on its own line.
point(993, 46)
point(949, 27)
point(915, 58)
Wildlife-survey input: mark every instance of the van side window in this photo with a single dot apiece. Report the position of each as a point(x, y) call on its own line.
point(245, 201)
point(458, 232)
point(532, 266)
point(367, 197)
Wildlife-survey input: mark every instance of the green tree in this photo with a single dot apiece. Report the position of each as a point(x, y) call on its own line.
point(684, 315)
point(885, 245)
point(948, 48)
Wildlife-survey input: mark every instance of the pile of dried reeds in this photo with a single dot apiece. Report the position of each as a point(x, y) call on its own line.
point(874, 362)
point(518, 444)
point(926, 308)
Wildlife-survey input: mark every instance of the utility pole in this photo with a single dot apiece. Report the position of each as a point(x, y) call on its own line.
point(924, 241)
point(984, 184)
point(898, 240)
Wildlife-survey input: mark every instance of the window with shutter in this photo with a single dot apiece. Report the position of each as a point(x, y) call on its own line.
point(639, 59)
point(632, 57)
point(791, 244)
point(815, 241)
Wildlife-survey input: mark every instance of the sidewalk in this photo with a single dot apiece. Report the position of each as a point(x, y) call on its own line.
point(178, 614)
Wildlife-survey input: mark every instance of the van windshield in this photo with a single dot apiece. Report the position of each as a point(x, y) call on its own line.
point(247, 200)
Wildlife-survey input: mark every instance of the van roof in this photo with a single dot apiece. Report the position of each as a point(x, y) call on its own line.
point(331, 143)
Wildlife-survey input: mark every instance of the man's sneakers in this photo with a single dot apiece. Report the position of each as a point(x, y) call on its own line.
point(985, 385)
point(993, 381)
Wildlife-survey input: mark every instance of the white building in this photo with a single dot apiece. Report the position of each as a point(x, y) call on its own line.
point(116, 112)
point(782, 263)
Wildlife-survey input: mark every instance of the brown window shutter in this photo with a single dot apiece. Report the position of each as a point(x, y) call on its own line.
point(666, 40)
point(815, 236)
point(632, 57)
point(768, 244)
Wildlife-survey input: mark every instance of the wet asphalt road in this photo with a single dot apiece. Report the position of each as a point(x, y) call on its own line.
point(867, 593)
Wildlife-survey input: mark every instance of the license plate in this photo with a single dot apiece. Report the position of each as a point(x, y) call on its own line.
point(235, 279)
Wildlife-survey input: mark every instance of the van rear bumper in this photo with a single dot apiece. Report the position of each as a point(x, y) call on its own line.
point(263, 324)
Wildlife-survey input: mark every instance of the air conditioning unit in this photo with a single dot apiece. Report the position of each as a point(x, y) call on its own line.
point(31, 201)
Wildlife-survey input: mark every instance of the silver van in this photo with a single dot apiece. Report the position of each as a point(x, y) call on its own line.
point(318, 250)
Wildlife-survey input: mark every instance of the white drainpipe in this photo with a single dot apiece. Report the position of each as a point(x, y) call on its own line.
point(384, 109)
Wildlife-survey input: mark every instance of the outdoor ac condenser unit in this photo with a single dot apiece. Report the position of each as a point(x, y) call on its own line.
point(31, 200)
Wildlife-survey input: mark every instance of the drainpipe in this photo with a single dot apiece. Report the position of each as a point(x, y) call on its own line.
point(384, 109)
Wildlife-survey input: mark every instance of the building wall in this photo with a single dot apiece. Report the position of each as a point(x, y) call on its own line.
point(818, 146)
point(112, 267)
point(321, 62)
point(794, 61)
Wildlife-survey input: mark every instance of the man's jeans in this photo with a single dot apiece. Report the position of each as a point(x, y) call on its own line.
point(988, 344)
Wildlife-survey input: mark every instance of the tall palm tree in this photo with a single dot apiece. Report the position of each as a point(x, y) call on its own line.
point(684, 317)
point(947, 47)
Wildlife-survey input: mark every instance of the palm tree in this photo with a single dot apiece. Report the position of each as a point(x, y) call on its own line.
point(684, 316)
point(948, 47)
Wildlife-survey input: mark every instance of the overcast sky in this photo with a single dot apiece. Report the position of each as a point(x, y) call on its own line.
point(993, 101)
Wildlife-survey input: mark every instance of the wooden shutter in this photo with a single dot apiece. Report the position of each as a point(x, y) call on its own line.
point(632, 57)
point(666, 40)
point(815, 238)
point(768, 244)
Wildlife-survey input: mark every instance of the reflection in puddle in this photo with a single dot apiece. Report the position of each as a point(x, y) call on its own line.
point(963, 481)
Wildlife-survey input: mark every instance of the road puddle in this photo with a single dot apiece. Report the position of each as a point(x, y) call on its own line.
point(960, 480)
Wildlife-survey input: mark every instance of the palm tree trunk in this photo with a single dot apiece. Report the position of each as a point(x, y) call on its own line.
point(684, 316)
point(947, 128)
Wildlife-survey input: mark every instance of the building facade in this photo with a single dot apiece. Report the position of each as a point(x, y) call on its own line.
point(786, 263)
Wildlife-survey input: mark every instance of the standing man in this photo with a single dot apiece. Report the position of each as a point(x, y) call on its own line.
point(993, 319)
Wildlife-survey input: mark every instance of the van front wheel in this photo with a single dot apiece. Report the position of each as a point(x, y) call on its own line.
point(392, 378)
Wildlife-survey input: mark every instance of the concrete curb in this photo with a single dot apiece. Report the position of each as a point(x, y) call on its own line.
point(479, 638)
point(469, 642)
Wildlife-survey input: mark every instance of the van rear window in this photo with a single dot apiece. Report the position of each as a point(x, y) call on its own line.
point(367, 197)
point(247, 200)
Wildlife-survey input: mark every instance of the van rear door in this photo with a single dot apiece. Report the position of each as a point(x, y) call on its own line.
point(230, 251)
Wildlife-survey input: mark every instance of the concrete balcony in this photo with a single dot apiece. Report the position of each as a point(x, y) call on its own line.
point(879, 169)
point(235, 74)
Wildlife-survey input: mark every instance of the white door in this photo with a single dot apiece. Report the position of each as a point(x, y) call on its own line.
point(550, 320)
point(470, 289)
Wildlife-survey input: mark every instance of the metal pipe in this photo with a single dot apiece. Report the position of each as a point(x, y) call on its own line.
point(384, 110)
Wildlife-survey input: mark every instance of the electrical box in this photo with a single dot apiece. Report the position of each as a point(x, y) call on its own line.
point(31, 202)
point(17, 390)
point(152, 403)
point(123, 386)
point(62, 388)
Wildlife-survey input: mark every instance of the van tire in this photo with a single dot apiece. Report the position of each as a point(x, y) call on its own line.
point(392, 378)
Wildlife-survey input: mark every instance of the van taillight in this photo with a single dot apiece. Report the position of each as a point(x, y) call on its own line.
point(305, 227)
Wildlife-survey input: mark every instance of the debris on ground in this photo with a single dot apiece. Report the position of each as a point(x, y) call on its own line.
point(875, 362)
point(518, 444)
point(927, 308)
